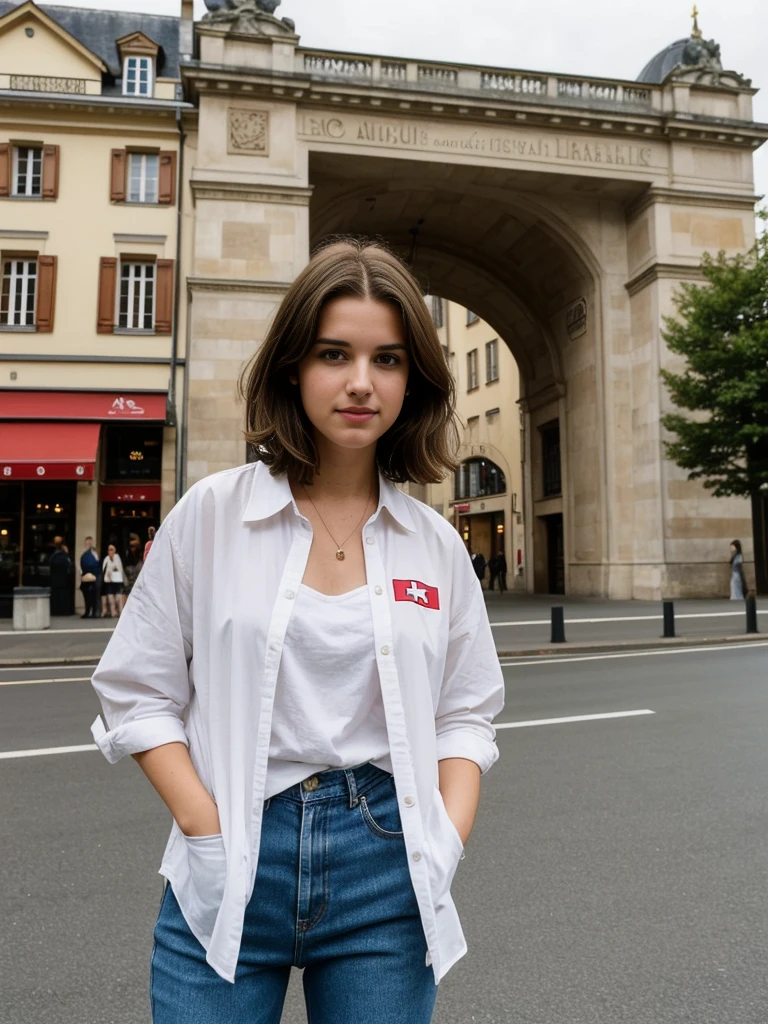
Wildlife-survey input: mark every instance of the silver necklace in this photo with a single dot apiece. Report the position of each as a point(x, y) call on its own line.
point(339, 547)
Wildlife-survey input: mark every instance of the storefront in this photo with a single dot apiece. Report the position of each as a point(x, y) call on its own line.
point(74, 464)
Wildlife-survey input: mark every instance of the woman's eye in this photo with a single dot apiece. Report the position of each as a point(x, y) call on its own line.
point(332, 355)
point(391, 360)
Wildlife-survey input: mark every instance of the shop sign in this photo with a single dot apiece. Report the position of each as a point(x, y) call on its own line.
point(135, 493)
point(465, 507)
point(83, 405)
point(47, 471)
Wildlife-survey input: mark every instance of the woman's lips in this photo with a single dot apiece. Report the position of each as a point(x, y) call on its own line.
point(356, 415)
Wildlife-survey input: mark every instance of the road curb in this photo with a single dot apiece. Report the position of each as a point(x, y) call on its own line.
point(633, 645)
point(80, 659)
point(527, 652)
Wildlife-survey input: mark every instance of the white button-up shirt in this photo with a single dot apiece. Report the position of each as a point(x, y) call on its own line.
point(195, 659)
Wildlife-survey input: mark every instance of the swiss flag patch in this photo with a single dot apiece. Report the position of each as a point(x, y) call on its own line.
point(420, 593)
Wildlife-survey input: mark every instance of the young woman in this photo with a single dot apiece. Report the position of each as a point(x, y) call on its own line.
point(738, 579)
point(317, 679)
point(113, 578)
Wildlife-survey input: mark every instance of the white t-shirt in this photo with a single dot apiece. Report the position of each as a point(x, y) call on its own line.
point(328, 711)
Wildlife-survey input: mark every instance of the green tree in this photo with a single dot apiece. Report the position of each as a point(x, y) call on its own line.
point(721, 331)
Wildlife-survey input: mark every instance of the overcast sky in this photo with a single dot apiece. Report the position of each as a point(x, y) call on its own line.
point(608, 38)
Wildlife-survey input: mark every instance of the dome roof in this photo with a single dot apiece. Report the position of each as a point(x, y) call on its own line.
point(658, 67)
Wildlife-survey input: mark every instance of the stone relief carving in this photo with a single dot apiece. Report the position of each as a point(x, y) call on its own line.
point(249, 132)
point(250, 17)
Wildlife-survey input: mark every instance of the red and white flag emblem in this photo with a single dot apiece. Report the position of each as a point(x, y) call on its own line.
point(419, 593)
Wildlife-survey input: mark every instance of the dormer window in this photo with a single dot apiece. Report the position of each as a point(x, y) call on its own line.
point(138, 76)
point(141, 57)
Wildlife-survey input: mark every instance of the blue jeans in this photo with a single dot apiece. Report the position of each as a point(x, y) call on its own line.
point(332, 896)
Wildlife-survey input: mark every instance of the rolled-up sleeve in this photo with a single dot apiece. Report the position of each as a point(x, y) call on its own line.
point(142, 679)
point(472, 694)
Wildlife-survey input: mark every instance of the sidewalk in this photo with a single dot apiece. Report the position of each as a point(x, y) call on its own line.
point(520, 623)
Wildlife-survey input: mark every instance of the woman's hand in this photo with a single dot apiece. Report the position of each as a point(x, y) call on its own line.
point(460, 790)
point(170, 770)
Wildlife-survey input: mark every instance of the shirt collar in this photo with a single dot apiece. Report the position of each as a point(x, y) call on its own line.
point(270, 495)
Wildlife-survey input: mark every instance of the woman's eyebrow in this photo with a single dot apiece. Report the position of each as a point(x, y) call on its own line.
point(345, 344)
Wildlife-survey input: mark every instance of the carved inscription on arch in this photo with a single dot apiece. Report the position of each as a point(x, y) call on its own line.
point(500, 142)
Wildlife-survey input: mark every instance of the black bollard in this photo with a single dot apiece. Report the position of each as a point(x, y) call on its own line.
point(669, 619)
point(558, 625)
point(751, 615)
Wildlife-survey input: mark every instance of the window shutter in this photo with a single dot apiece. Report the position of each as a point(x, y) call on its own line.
point(46, 293)
point(166, 193)
point(117, 177)
point(5, 168)
point(107, 286)
point(164, 299)
point(50, 172)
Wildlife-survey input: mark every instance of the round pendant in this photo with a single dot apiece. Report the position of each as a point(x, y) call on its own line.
point(340, 555)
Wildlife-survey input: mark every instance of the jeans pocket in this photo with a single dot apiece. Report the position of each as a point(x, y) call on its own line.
point(379, 811)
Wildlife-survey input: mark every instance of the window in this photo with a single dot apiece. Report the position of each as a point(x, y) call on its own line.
point(143, 177)
point(19, 291)
point(478, 478)
point(137, 296)
point(137, 76)
point(472, 369)
point(28, 171)
point(492, 361)
point(550, 460)
point(438, 316)
point(134, 453)
point(472, 318)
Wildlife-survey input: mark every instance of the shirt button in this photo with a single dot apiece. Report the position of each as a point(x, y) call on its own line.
point(409, 801)
point(416, 856)
point(378, 590)
point(385, 649)
point(369, 540)
point(290, 595)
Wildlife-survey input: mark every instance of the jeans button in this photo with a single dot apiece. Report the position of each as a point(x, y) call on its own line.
point(310, 785)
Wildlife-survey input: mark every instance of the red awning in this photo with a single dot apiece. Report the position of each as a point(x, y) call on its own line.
point(130, 492)
point(48, 451)
point(105, 406)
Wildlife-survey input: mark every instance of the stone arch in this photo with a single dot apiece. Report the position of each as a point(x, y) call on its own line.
point(519, 261)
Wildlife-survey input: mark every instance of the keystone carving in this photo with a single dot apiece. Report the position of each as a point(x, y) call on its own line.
point(249, 132)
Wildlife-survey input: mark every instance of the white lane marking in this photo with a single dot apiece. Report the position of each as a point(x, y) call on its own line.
point(623, 618)
point(34, 682)
point(8, 754)
point(566, 659)
point(55, 632)
point(572, 718)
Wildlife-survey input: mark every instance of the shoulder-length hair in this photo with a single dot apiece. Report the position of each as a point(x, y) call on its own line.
point(421, 444)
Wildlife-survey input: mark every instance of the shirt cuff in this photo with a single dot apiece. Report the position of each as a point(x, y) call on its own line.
point(134, 737)
point(470, 746)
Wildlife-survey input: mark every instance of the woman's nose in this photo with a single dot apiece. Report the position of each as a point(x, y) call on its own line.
point(359, 382)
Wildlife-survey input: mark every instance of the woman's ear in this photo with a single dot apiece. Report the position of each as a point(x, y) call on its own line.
point(293, 378)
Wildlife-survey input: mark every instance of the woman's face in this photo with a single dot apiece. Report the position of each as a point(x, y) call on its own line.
point(111, 550)
point(353, 379)
point(733, 549)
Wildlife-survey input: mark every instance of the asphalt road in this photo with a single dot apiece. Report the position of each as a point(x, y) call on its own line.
point(617, 874)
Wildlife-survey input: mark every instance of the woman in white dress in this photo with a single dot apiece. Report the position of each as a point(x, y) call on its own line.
point(738, 579)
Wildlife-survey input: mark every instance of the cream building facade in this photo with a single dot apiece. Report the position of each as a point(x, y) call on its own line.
point(91, 354)
point(563, 210)
point(483, 499)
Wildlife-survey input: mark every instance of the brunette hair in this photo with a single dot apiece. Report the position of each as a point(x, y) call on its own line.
point(736, 544)
point(421, 445)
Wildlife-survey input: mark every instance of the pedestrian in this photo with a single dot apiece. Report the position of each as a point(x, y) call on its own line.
point(131, 566)
point(89, 574)
point(62, 586)
point(345, 677)
point(478, 564)
point(738, 579)
point(501, 571)
point(148, 545)
point(113, 578)
point(493, 570)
